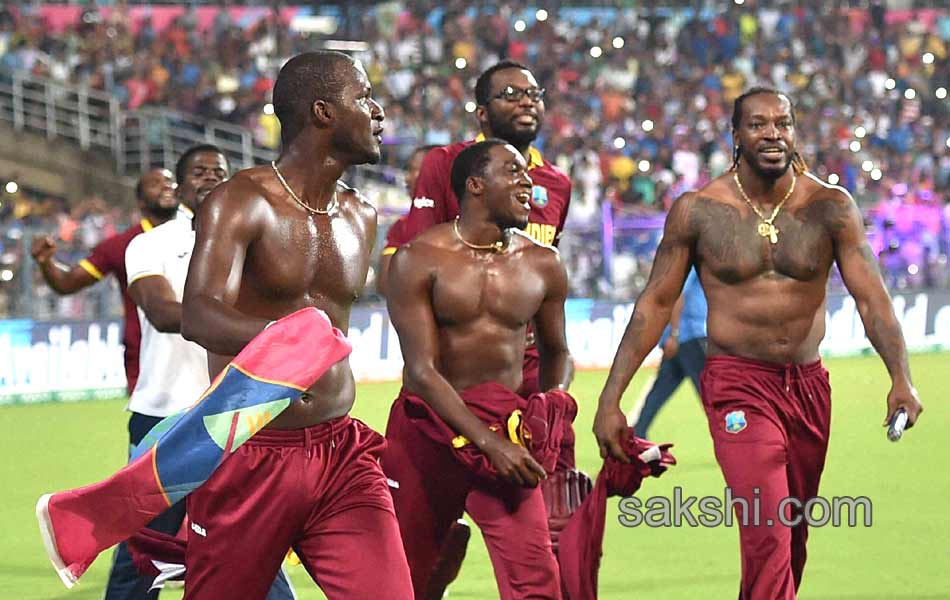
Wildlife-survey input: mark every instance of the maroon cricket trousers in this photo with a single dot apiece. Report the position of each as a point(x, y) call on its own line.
point(319, 490)
point(769, 424)
point(431, 488)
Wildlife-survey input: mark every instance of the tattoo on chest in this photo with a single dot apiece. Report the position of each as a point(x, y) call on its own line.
point(731, 246)
point(717, 226)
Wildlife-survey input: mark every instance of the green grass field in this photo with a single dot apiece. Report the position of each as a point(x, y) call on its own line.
point(903, 555)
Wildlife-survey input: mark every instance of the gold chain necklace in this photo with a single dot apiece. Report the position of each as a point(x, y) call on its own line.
point(496, 247)
point(765, 227)
point(315, 211)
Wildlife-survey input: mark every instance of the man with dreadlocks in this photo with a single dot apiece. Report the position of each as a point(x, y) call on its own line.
point(763, 238)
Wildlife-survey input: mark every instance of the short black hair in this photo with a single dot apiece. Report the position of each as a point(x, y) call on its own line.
point(303, 80)
point(182, 163)
point(755, 91)
point(483, 83)
point(471, 162)
point(424, 149)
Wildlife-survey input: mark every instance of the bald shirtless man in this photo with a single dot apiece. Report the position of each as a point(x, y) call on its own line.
point(270, 241)
point(461, 297)
point(763, 237)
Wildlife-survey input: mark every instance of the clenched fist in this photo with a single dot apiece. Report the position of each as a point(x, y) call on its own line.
point(43, 249)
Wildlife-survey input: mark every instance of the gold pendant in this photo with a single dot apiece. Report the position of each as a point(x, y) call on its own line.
point(768, 230)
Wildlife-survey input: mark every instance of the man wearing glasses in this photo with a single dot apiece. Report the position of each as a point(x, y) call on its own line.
point(510, 106)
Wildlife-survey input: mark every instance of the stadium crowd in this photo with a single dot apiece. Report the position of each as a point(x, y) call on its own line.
point(638, 102)
point(78, 227)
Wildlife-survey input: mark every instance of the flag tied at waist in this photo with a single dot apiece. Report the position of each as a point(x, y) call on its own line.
point(184, 449)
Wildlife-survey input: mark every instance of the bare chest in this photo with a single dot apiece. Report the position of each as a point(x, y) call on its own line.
point(502, 289)
point(737, 247)
point(313, 258)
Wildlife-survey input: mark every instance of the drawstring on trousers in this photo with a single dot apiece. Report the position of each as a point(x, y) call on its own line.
point(795, 373)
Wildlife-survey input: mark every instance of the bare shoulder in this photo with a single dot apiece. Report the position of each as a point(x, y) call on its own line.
point(243, 197)
point(536, 254)
point(522, 242)
point(437, 238)
point(351, 199)
point(687, 210)
point(428, 249)
point(829, 205)
point(814, 189)
point(719, 191)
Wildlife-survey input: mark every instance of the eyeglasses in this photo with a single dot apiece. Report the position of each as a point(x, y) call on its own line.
point(513, 94)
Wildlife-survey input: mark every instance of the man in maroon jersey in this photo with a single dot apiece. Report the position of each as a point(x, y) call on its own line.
point(510, 107)
point(158, 203)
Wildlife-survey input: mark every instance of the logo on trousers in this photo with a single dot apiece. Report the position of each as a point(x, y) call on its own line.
point(735, 421)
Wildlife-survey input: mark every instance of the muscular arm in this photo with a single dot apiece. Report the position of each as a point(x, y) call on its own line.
point(651, 314)
point(862, 276)
point(556, 367)
point(395, 237)
point(675, 316)
point(410, 309)
point(226, 225)
point(654, 306)
point(61, 278)
point(382, 272)
point(155, 296)
point(64, 279)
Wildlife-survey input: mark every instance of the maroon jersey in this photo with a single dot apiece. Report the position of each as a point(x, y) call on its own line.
point(434, 202)
point(109, 257)
point(396, 236)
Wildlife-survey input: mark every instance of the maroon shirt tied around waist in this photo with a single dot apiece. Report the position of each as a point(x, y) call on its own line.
point(538, 422)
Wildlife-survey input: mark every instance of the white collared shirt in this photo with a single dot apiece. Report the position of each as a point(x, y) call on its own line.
point(173, 372)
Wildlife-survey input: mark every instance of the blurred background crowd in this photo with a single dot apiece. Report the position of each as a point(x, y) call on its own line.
point(639, 101)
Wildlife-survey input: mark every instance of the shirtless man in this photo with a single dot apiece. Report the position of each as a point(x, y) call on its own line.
point(270, 241)
point(461, 297)
point(764, 237)
point(511, 108)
